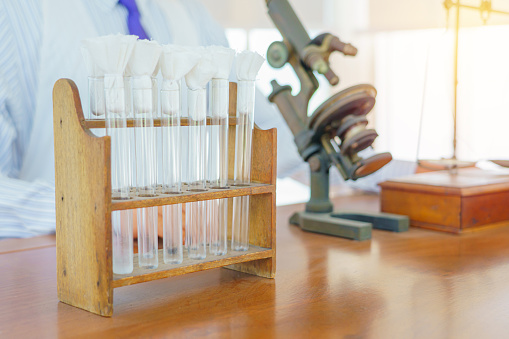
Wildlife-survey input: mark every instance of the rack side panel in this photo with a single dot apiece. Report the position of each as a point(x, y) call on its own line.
point(83, 206)
point(262, 210)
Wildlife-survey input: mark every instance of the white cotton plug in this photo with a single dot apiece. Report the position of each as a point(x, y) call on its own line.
point(111, 53)
point(222, 57)
point(142, 66)
point(196, 81)
point(144, 61)
point(176, 62)
point(93, 69)
point(202, 73)
point(248, 64)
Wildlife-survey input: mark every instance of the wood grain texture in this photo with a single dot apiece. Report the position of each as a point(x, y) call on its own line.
point(264, 156)
point(140, 275)
point(157, 122)
point(485, 209)
point(262, 216)
point(468, 181)
point(423, 207)
point(232, 104)
point(100, 123)
point(169, 199)
point(83, 206)
point(417, 284)
point(262, 209)
point(451, 203)
point(23, 244)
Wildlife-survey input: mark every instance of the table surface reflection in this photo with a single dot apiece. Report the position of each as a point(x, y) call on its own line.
point(418, 284)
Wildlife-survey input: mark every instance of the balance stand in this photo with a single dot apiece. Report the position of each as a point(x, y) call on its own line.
point(84, 205)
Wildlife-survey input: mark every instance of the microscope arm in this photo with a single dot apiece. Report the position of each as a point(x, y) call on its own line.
point(341, 118)
point(287, 22)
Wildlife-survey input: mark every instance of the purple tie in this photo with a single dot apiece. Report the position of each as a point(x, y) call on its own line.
point(133, 19)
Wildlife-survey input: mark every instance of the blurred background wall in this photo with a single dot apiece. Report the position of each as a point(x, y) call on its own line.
point(406, 51)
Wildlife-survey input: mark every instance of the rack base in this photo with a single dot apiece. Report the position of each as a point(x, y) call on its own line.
point(163, 270)
point(84, 205)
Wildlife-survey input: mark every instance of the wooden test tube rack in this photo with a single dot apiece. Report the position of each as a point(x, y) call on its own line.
point(84, 204)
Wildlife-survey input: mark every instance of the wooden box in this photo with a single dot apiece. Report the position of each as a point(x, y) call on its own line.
point(471, 199)
point(84, 204)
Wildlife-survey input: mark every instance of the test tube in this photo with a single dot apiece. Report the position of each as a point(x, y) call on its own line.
point(242, 174)
point(196, 211)
point(172, 214)
point(122, 241)
point(131, 133)
point(144, 96)
point(96, 98)
point(117, 111)
point(218, 165)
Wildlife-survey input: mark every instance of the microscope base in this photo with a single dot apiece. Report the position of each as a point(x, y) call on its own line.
point(348, 224)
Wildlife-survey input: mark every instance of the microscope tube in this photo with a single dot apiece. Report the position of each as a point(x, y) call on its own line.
point(116, 128)
point(144, 96)
point(172, 214)
point(218, 165)
point(196, 211)
point(242, 174)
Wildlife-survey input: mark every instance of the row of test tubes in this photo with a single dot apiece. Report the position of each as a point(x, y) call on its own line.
point(137, 152)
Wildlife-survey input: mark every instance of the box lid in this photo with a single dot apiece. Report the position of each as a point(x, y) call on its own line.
point(467, 182)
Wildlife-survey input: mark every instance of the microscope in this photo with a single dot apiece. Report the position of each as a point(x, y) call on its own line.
point(334, 134)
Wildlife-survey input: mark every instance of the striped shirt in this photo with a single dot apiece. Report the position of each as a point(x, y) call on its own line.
point(28, 208)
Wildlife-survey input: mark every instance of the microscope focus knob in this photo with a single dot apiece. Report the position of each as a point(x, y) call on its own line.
point(277, 54)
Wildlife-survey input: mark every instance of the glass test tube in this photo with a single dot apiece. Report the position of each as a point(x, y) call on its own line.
point(217, 209)
point(242, 174)
point(144, 96)
point(96, 109)
point(196, 211)
point(117, 111)
point(172, 182)
point(131, 132)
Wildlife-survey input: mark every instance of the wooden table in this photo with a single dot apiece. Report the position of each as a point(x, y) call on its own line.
point(419, 284)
